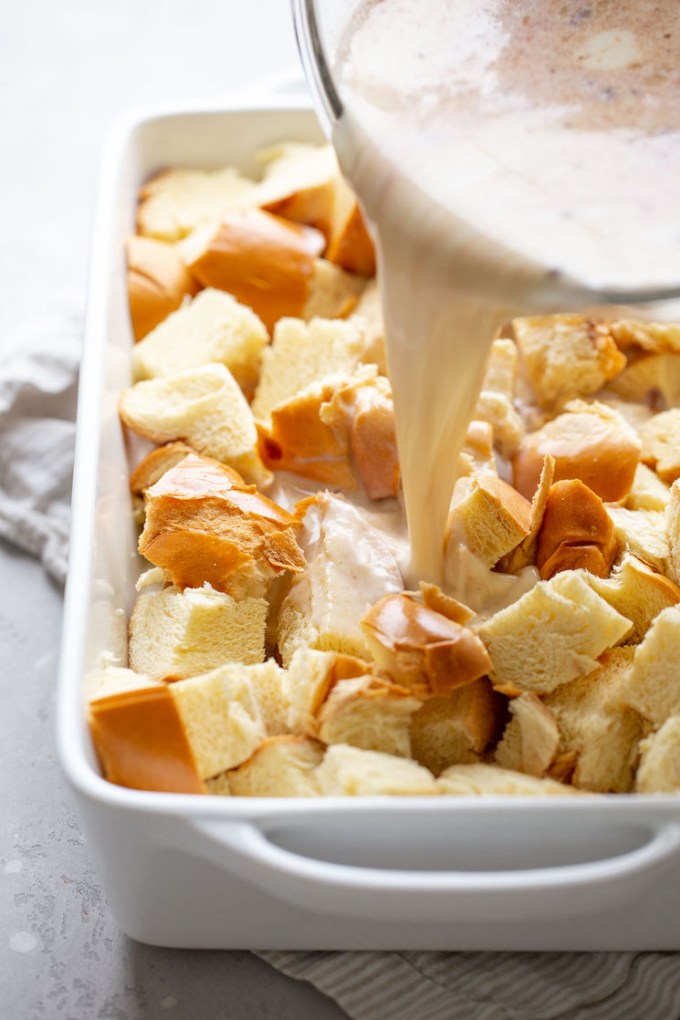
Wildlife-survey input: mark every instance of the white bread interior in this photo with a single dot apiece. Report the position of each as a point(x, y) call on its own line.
point(655, 337)
point(352, 772)
point(176, 634)
point(643, 533)
point(637, 592)
point(659, 769)
point(530, 739)
point(595, 725)
point(213, 327)
point(457, 727)
point(368, 712)
point(176, 202)
point(661, 444)
point(551, 635)
point(652, 687)
point(648, 491)
point(204, 406)
point(479, 779)
point(283, 766)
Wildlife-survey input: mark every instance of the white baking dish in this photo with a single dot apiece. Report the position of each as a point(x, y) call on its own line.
point(374, 873)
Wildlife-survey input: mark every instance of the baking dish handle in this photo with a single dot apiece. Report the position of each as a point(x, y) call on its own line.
point(570, 889)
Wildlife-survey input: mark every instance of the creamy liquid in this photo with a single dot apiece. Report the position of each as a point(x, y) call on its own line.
point(513, 156)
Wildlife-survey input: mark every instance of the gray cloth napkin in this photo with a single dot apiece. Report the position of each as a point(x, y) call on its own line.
point(37, 431)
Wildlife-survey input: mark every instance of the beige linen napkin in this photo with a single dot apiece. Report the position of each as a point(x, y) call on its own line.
point(37, 432)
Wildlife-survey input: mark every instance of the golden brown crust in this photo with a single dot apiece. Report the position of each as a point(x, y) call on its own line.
point(152, 468)
point(141, 742)
point(420, 648)
point(350, 245)
point(157, 282)
point(577, 532)
point(266, 262)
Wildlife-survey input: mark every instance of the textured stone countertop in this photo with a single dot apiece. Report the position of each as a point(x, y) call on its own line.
point(66, 71)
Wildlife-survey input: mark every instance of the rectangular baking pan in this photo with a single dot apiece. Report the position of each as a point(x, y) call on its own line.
point(336, 873)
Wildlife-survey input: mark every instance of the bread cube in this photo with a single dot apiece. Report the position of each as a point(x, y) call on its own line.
point(661, 444)
point(652, 687)
point(491, 515)
point(157, 282)
point(576, 533)
point(283, 766)
point(659, 769)
point(644, 534)
point(176, 202)
point(368, 712)
point(648, 491)
point(352, 772)
point(652, 380)
point(479, 779)
point(530, 739)
point(456, 727)
point(638, 593)
point(176, 634)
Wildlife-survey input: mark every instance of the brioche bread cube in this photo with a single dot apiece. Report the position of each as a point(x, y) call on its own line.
point(644, 533)
point(302, 353)
point(594, 724)
point(303, 183)
point(205, 407)
point(551, 635)
point(478, 779)
point(337, 430)
point(176, 202)
point(652, 380)
point(525, 553)
point(477, 455)
point(456, 727)
point(492, 516)
point(152, 467)
point(213, 327)
point(221, 717)
point(434, 598)
point(140, 738)
point(333, 293)
point(312, 674)
point(283, 766)
point(107, 680)
point(656, 337)
point(648, 491)
point(567, 356)
point(495, 402)
point(659, 769)
point(176, 634)
point(673, 531)
point(157, 282)
point(270, 687)
point(202, 526)
point(530, 739)
point(299, 183)
point(637, 592)
point(352, 772)
point(661, 444)
point(576, 532)
point(420, 648)
point(652, 687)
point(351, 565)
point(368, 712)
point(591, 442)
point(218, 786)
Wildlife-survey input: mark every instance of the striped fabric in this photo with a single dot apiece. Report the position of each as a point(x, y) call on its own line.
point(492, 986)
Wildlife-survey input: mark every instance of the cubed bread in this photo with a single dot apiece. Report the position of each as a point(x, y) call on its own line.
point(434, 598)
point(107, 680)
point(152, 467)
point(270, 687)
point(201, 526)
point(176, 634)
point(652, 687)
point(673, 531)
point(369, 310)
point(339, 431)
point(350, 245)
point(351, 565)
point(368, 712)
point(312, 675)
point(456, 727)
point(525, 553)
point(495, 401)
point(661, 444)
point(567, 356)
point(283, 766)
point(655, 337)
point(477, 455)
point(420, 648)
point(659, 769)
point(221, 717)
point(299, 183)
point(203, 406)
point(530, 739)
point(176, 202)
point(333, 293)
point(638, 593)
point(352, 772)
point(551, 635)
point(491, 517)
point(648, 491)
point(653, 380)
point(589, 441)
point(595, 725)
point(213, 327)
point(644, 533)
point(302, 353)
point(157, 282)
point(479, 779)
point(576, 533)
point(141, 740)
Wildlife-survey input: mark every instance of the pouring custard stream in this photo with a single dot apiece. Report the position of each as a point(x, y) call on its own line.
point(513, 157)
